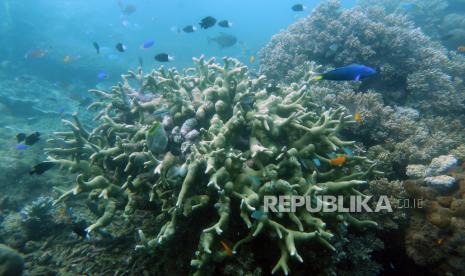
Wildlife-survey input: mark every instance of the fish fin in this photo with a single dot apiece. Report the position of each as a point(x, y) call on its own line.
point(357, 78)
point(318, 77)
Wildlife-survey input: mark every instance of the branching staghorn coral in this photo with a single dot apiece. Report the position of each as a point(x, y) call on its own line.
point(214, 138)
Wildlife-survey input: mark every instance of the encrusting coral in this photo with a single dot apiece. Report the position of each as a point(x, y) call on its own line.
point(435, 237)
point(213, 138)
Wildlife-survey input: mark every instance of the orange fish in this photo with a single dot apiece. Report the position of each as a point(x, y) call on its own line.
point(338, 161)
point(461, 49)
point(358, 117)
point(440, 241)
point(226, 248)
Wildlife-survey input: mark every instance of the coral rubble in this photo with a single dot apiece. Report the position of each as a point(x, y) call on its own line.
point(213, 140)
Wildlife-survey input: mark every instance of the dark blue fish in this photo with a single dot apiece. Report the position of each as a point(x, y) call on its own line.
point(207, 22)
point(33, 138)
point(189, 29)
point(42, 167)
point(97, 47)
point(347, 73)
point(120, 47)
point(163, 57)
point(298, 7)
point(225, 24)
point(20, 137)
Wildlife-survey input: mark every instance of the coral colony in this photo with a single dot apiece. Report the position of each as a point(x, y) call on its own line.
point(214, 138)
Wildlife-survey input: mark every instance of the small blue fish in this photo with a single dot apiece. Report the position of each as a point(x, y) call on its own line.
point(332, 155)
point(61, 110)
point(102, 75)
point(348, 151)
point(257, 214)
point(21, 147)
point(255, 180)
point(147, 44)
point(348, 73)
point(317, 162)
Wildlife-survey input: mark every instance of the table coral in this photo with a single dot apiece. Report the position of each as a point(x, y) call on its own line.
point(213, 138)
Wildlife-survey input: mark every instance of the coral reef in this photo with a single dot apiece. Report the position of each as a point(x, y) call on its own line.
point(411, 112)
point(433, 174)
point(435, 237)
point(213, 140)
point(413, 70)
point(394, 136)
point(442, 20)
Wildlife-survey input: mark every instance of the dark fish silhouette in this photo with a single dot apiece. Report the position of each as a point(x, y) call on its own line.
point(224, 24)
point(120, 47)
point(42, 167)
point(189, 29)
point(20, 137)
point(163, 57)
point(79, 228)
point(298, 7)
point(97, 47)
point(31, 139)
point(126, 9)
point(224, 40)
point(207, 22)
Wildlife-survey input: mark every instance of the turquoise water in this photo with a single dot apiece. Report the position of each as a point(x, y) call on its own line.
point(68, 28)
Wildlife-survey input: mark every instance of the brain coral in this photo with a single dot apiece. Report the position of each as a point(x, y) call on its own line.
point(213, 140)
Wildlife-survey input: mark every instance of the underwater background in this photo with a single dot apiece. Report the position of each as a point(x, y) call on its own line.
point(142, 137)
